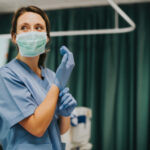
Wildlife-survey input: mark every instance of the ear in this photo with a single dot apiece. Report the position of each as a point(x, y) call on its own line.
point(13, 37)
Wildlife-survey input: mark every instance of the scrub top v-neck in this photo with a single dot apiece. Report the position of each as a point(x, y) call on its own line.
point(43, 82)
point(21, 92)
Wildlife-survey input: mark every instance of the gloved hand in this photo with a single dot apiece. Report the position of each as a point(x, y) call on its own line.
point(64, 70)
point(66, 103)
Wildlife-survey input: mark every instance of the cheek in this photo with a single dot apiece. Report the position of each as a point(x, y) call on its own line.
point(21, 31)
point(18, 31)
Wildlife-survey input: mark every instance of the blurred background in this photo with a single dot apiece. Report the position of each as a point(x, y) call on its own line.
point(112, 72)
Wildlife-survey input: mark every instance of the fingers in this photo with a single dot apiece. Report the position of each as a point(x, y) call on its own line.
point(70, 62)
point(64, 50)
point(64, 98)
point(71, 103)
point(65, 103)
point(64, 59)
point(64, 91)
point(64, 70)
point(68, 102)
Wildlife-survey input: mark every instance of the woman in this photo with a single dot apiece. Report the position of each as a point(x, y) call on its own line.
point(34, 104)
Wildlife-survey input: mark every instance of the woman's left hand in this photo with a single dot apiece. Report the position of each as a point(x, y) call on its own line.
point(66, 103)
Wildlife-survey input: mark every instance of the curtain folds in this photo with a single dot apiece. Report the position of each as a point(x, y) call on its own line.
point(112, 73)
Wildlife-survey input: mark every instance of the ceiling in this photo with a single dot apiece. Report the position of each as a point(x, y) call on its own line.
point(7, 6)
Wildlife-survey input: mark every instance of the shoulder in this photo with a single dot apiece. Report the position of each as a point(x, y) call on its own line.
point(6, 72)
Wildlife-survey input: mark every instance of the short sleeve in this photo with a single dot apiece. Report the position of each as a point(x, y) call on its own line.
point(16, 102)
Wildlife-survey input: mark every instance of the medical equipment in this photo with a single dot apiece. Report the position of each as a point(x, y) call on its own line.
point(80, 132)
point(31, 43)
point(66, 103)
point(66, 90)
point(64, 70)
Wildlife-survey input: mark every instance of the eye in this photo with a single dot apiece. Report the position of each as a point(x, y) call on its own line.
point(39, 27)
point(24, 28)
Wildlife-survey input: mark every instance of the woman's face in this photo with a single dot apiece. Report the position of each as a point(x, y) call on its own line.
point(30, 21)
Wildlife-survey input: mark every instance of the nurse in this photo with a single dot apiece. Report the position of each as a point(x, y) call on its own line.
point(35, 105)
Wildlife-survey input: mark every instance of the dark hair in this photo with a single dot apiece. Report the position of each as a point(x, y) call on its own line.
point(37, 10)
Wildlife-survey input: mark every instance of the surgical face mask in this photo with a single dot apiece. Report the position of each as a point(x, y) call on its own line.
point(31, 43)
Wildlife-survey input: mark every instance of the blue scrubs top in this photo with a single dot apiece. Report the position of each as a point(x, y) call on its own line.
point(21, 92)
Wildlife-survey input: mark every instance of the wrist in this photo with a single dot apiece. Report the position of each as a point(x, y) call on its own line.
point(56, 87)
point(57, 83)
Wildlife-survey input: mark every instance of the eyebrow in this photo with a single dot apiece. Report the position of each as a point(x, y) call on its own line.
point(24, 24)
point(28, 24)
point(40, 24)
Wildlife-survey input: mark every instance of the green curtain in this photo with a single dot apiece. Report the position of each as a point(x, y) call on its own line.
point(112, 72)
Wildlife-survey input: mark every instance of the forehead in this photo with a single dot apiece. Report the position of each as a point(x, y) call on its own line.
point(30, 18)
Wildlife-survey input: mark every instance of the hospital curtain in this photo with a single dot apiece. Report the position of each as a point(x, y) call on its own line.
point(112, 73)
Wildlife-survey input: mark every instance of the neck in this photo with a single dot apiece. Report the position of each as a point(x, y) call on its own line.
point(32, 62)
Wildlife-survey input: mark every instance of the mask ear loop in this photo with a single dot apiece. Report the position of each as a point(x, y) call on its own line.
point(16, 45)
point(47, 47)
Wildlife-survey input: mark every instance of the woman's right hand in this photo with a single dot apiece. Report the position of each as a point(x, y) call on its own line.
point(64, 70)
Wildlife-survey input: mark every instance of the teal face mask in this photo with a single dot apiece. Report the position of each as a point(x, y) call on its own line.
point(31, 43)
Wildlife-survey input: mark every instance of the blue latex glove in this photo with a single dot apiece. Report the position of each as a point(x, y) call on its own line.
point(64, 70)
point(66, 103)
